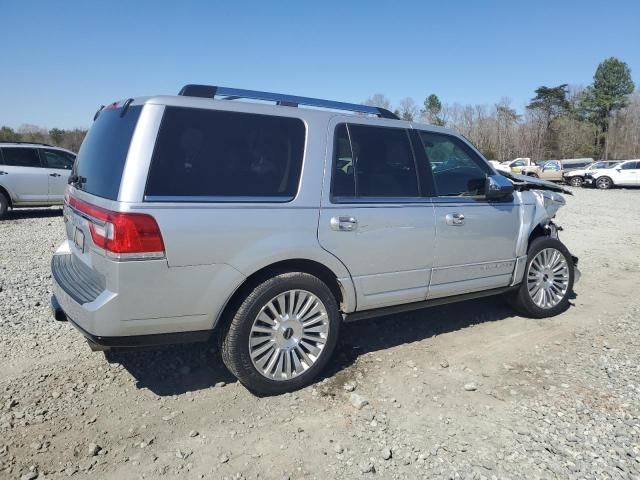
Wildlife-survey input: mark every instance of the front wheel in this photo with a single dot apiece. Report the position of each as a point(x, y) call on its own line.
point(548, 280)
point(283, 334)
point(576, 181)
point(4, 205)
point(604, 183)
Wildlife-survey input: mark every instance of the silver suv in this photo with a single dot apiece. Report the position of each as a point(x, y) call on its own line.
point(273, 224)
point(33, 175)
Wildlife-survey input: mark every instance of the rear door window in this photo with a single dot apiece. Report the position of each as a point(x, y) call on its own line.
point(213, 155)
point(373, 162)
point(100, 163)
point(57, 159)
point(21, 157)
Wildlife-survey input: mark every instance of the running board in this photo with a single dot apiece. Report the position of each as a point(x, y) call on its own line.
point(409, 307)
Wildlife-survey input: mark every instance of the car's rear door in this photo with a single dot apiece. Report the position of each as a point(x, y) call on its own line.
point(24, 175)
point(628, 174)
point(374, 217)
point(58, 165)
point(475, 238)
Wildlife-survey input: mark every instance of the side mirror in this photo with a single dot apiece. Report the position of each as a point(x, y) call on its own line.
point(497, 187)
point(618, 169)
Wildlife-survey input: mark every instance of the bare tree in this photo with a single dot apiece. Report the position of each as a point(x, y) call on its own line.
point(378, 100)
point(408, 109)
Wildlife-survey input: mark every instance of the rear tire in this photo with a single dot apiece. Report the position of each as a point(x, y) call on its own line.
point(576, 181)
point(4, 205)
point(283, 334)
point(548, 280)
point(604, 183)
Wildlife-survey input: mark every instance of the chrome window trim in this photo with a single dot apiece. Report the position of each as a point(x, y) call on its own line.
point(218, 199)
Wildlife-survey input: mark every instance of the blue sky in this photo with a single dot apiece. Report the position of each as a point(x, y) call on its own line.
point(61, 60)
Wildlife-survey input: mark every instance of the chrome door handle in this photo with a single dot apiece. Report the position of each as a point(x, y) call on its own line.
point(344, 224)
point(55, 175)
point(455, 219)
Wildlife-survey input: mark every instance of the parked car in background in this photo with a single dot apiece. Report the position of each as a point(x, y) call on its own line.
point(516, 165)
point(33, 175)
point(554, 170)
point(575, 178)
point(624, 174)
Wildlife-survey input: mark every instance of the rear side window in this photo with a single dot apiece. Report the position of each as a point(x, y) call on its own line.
point(58, 159)
point(630, 166)
point(103, 153)
point(373, 162)
point(21, 157)
point(226, 156)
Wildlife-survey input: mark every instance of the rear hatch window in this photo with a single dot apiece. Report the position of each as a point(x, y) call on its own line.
point(100, 163)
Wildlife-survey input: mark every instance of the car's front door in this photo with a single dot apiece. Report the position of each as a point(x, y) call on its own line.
point(374, 217)
point(24, 175)
point(551, 171)
point(58, 166)
point(475, 238)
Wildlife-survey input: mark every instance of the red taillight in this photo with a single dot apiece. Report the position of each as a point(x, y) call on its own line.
point(121, 233)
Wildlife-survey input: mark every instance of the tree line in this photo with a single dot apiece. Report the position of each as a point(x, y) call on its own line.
point(69, 139)
point(601, 120)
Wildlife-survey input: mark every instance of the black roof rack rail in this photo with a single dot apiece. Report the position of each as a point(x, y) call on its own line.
point(27, 143)
point(210, 91)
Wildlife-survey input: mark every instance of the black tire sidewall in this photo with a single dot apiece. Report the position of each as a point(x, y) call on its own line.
point(235, 345)
point(609, 183)
point(524, 302)
point(4, 205)
point(576, 182)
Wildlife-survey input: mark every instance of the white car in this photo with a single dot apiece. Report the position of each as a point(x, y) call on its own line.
point(575, 178)
point(499, 167)
point(625, 174)
point(33, 175)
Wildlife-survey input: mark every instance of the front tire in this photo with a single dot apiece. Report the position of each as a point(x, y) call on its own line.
point(283, 334)
point(548, 280)
point(604, 183)
point(4, 206)
point(576, 181)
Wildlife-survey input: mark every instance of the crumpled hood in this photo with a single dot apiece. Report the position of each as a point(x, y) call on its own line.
point(525, 182)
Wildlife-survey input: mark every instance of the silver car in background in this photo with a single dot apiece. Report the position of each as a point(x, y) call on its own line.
point(273, 224)
point(33, 175)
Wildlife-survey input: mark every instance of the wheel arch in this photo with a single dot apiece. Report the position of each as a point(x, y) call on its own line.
point(7, 194)
point(341, 289)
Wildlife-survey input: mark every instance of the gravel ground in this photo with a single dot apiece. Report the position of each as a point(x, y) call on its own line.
point(462, 391)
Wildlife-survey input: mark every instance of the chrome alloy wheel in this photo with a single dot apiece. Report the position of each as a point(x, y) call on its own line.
point(288, 335)
point(603, 183)
point(548, 278)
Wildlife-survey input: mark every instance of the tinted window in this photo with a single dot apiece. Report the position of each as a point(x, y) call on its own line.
point(457, 170)
point(226, 154)
point(381, 160)
point(21, 157)
point(343, 184)
point(626, 166)
point(103, 152)
point(58, 159)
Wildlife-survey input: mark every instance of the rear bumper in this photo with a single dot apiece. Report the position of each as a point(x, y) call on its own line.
point(152, 340)
point(139, 303)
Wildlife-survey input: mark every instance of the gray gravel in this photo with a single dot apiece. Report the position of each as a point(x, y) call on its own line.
point(462, 391)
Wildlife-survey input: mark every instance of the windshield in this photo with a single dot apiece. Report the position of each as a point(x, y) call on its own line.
point(100, 163)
